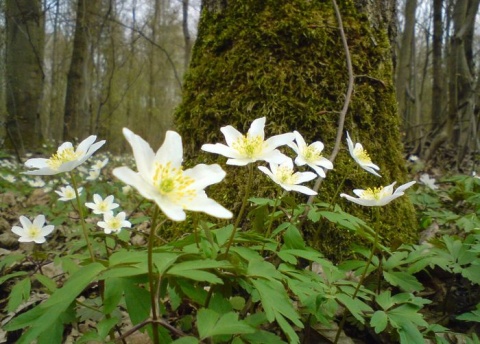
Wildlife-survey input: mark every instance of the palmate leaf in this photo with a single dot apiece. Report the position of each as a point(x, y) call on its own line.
point(211, 323)
point(46, 315)
point(379, 321)
point(403, 280)
point(278, 306)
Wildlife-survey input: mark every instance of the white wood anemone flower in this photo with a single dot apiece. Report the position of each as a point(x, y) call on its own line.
point(161, 178)
point(427, 181)
point(377, 197)
point(289, 180)
point(35, 231)
point(310, 155)
point(360, 155)
point(100, 205)
point(244, 149)
point(67, 193)
point(114, 223)
point(65, 159)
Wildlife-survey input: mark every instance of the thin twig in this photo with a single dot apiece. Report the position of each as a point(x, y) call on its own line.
point(348, 97)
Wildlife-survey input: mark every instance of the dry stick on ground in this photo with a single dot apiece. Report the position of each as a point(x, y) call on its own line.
point(348, 97)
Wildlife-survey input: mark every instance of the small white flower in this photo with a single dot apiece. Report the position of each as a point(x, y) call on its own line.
point(102, 206)
point(126, 189)
point(35, 231)
point(9, 178)
point(93, 174)
point(377, 197)
point(427, 181)
point(113, 223)
point(67, 193)
point(99, 164)
point(65, 159)
point(284, 176)
point(361, 156)
point(413, 158)
point(161, 178)
point(244, 149)
point(310, 155)
point(36, 183)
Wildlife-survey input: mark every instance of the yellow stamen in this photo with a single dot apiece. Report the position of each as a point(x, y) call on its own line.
point(248, 146)
point(114, 224)
point(362, 155)
point(33, 231)
point(172, 182)
point(285, 175)
point(310, 154)
point(63, 156)
point(372, 193)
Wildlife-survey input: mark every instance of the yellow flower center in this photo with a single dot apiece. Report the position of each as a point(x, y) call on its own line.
point(172, 182)
point(33, 231)
point(103, 206)
point(285, 175)
point(63, 156)
point(310, 154)
point(248, 146)
point(362, 155)
point(114, 224)
point(373, 194)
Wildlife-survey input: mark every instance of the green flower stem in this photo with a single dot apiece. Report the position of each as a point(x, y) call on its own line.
point(151, 276)
point(364, 274)
point(82, 217)
point(243, 207)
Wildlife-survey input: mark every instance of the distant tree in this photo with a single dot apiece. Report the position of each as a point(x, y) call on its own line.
point(78, 111)
point(24, 73)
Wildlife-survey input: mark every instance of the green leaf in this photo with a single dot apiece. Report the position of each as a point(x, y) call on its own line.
point(12, 275)
point(275, 301)
point(137, 300)
point(403, 280)
point(104, 326)
point(164, 260)
point(356, 306)
point(471, 316)
point(406, 313)
point(293, 238)
point(8, 261)
point(379, 321)
point(211, 323)
point(409, 334)
point(385, 300)
point(20, 293)
point(261, 268)
point(112, 294)
point(186, 340)
point(47, 282)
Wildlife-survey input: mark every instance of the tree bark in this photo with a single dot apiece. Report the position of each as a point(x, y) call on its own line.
point(285, 60)
point(24, 69)
point(78, 110)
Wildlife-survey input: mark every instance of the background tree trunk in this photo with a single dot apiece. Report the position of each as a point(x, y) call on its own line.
point(285, 60)
point(78, 110)
point(24, 69)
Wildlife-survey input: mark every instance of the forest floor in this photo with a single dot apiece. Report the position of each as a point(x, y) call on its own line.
point(450, 294)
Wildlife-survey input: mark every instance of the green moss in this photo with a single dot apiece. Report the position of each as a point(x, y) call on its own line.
point(285, 60)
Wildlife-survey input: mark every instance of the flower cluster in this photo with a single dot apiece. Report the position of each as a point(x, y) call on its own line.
point(244, 149)
point(111, 222)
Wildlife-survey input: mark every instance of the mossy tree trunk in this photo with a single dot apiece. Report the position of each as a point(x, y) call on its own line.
point(24, 73)
point(284, 59)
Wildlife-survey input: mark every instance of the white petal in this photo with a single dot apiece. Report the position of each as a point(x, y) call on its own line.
point(93, 148)
point(361, 201)
point(18, 230)
point(97, 198)
point(369, 169)
point(279, 140)
point(317, 169)
point(317, 145)
point(405, 186)
point(46, 230)
point(46, 171)
point(36, 163)
point(171, 150)
point(299, 161)
point(303, 177)
point(134, 179)
point(257, 128)
point(39, 240)
point(325, 163)
point(301, 188)
point(231, 134)
point(239, 162)
point(171, 210)
point(26, 223)
point(266, 171)
point(350, 144)
point(205, 175)
point(142, 152)
point(220, 148)
point(85, 144)
point(300, 140)
point(39, 221)
point(209, 206)
point(294, 146)
point(274, 156)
